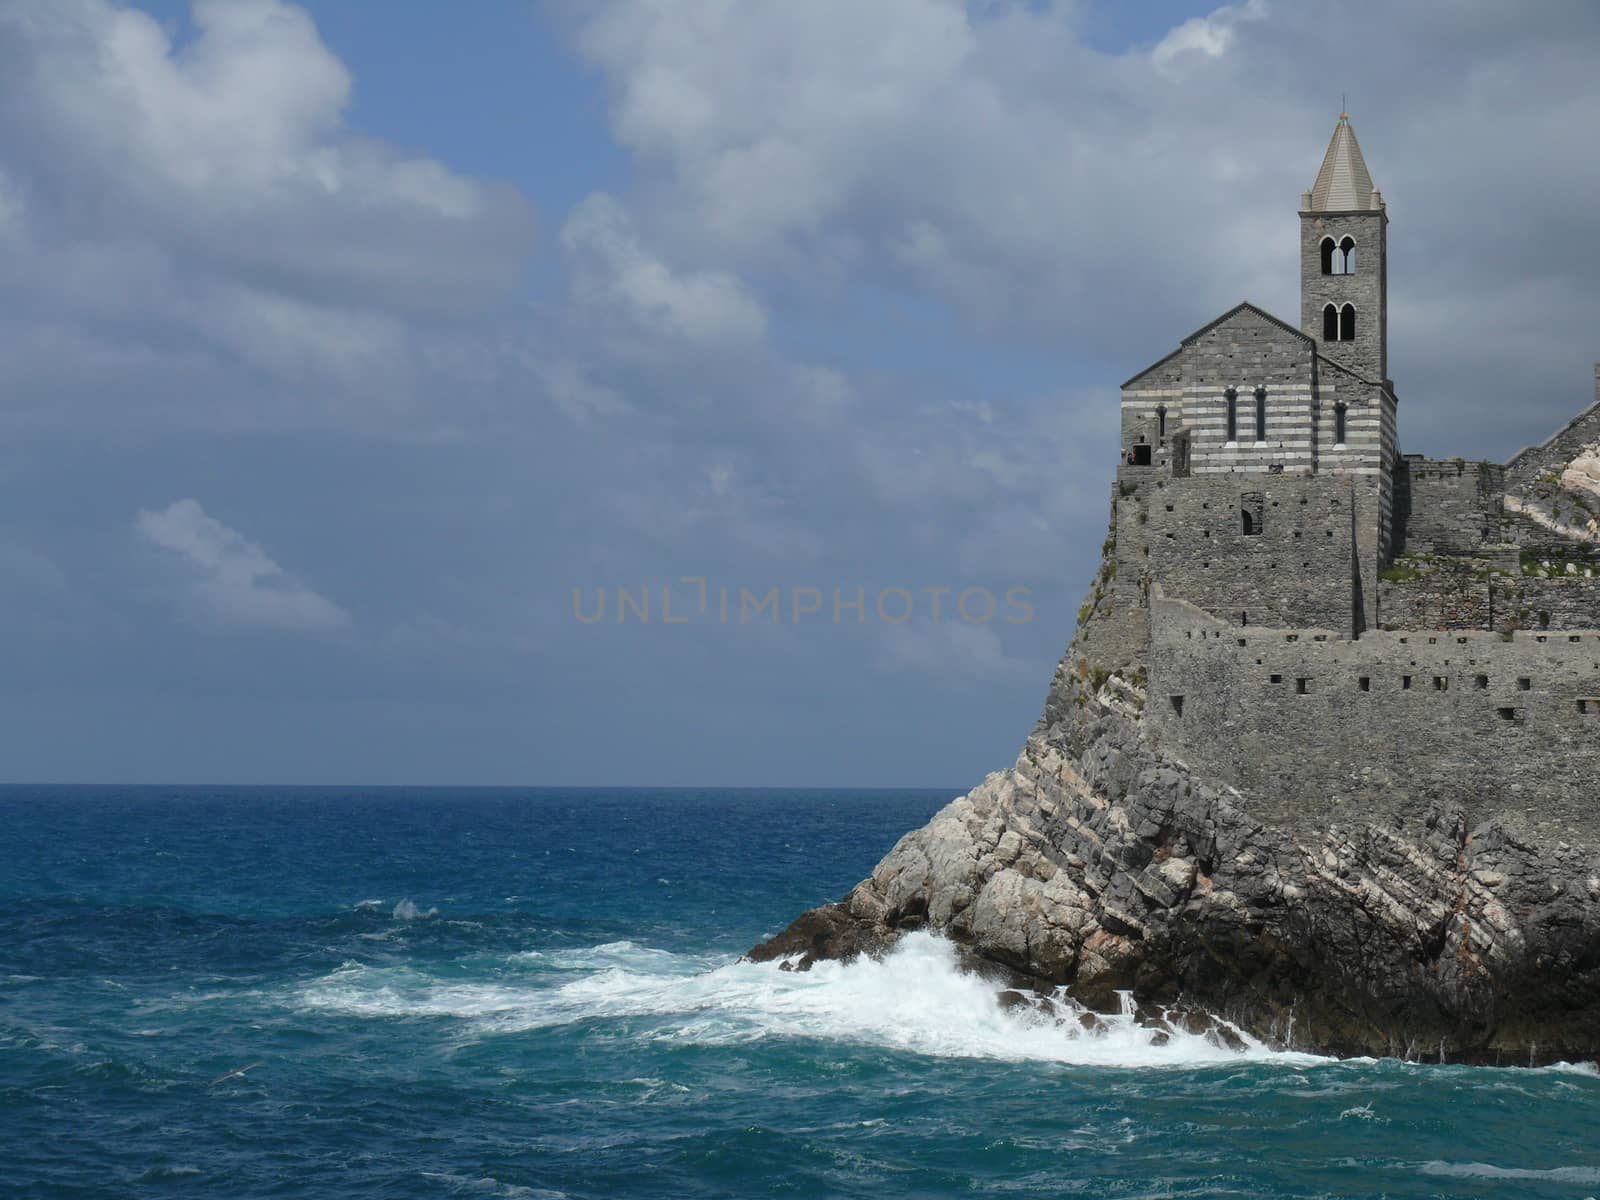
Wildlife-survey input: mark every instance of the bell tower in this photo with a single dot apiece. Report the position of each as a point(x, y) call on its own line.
point(1344, 288)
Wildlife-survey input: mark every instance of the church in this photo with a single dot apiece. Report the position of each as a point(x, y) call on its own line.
point(1302, 597)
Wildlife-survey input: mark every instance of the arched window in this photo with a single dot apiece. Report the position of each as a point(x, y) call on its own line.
point(1347, 256)
point(1327, 256)
point(1161, 420)
point(1248, 524)
point(1261, 414)
point(1233, 414)
point(1338, 424)
point(1347, 323)
point(1330, 324)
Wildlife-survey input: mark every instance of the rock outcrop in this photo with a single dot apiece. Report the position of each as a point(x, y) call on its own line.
point(1095, 864)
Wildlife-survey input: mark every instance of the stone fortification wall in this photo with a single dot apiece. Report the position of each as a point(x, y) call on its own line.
point(1316, 728)
point(1113, 625)
point(1448, 506)
point(1469, 594)
point(1552, 456)
point(1294, 567)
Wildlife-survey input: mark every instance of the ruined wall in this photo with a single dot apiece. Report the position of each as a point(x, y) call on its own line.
point(1469, 594)
point(1448, 506)
point(1315, 728)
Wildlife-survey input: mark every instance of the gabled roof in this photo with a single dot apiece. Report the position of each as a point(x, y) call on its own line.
point(1344, 184)
point(1242, 306)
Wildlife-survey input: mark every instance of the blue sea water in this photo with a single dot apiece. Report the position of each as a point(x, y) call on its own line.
point(537, 993)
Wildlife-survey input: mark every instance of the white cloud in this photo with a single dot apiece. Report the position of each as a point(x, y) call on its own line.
point(1208, 37)
point(233, 581)
point(208, 197)
point(615, 272)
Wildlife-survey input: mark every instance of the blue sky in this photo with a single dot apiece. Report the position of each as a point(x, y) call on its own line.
point(347, 342)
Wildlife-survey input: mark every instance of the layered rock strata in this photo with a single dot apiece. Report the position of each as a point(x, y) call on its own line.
point(1098, 865)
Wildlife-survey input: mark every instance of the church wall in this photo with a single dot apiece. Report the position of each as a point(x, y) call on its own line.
point(1284, 716)
point(1244, 352)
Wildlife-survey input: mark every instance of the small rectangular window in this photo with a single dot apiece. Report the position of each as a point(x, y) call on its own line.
point(1277, 679)
point(1482, 682)
point(1405, 683)
point(1177, 705)
point(1524, 684)
point(1508, 714)
point(1441, 683)
point(1365, 683)
point(1302, 686)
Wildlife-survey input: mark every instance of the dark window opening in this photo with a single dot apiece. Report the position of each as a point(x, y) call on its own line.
point(1441, 683)
point(1507, 714)
point(1347, 257)
point(1277, 679)
point(1583, 706)
point(1252, 508)
point(1327, 255)
point(1141, 455)
point(1482, 682)
point(1161, 421)
point(1524, 684)
point(1338, 424)
point(1302, 686)
point(1261, 414)
point(1177, 704)
point(1330, 324)
point(1347, 323)
point(1544, 620)
point(1365, 683)
point(1405, 683)
point(1233, 414)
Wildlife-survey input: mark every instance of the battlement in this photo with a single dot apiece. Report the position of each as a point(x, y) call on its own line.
point(1313, 723)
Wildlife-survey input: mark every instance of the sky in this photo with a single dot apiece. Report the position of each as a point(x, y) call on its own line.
point(682, 392)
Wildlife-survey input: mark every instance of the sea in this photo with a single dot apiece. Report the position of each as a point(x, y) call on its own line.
point(396, 992)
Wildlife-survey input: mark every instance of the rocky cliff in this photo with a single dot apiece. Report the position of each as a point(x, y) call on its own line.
point(1096, 865)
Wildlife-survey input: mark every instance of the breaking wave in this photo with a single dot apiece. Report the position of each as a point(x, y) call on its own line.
point(916, 1000)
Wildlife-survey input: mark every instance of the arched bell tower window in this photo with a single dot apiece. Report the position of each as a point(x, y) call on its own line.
point(1347, 256)
point(1347, 323)
point(1261, 414)
point(1233, 414)
point(1327, 255)
point(1161, 420)
point(1330, 323)
point(1338, 424)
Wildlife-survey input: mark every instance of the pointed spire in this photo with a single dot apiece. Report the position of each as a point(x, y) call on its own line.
point(1344, 184)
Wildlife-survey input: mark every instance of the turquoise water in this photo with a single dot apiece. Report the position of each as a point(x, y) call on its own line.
point(536, 994)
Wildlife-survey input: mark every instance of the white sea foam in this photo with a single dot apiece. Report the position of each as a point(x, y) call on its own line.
point(407, 911)
point(916, 1000)
point(1479, 1170)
